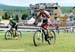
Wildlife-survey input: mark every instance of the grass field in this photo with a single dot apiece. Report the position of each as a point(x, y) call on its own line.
point(65, 42)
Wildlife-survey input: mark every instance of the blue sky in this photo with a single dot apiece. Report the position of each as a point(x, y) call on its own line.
point(27, 2)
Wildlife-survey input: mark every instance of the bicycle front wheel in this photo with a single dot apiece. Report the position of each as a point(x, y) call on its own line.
point(38, 38)
point(8, 35)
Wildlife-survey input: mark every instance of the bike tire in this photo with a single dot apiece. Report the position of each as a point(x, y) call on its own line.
point(8, 33)
point(34, 38)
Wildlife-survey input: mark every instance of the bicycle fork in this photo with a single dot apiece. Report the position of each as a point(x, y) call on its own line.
point(42, 36)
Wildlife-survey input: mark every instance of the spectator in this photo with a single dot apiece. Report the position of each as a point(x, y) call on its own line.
point(17, 18)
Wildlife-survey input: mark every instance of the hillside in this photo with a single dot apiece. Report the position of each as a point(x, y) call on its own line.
point(2, 6)
point(13, 9)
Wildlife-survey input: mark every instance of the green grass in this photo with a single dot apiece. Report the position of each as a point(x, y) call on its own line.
point(65, 42)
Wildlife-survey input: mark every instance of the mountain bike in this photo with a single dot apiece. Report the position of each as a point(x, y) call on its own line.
point(40, 35)
point(10, 34)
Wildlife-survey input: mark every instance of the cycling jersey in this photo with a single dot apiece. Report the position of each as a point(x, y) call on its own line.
point(44, 19)
point(44, 16)
point(13, 24)
point(13, 21)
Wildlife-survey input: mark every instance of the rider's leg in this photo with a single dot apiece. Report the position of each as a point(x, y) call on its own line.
point(15, 30)
point(48, 31)
point(16, 36)
point(16, 27)
point(48, 36)
point(47, 28)
point(11, 27)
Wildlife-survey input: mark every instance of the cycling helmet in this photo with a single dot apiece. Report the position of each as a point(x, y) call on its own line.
point(41, 7)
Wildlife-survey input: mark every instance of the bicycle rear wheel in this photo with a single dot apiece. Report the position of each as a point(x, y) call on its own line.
point(8, 35)
point(52, 39)
point(38, 38)
point(18, 34)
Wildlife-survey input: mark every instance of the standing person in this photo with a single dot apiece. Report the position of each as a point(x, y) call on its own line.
point(45, 19)
point(57, 24)
point(17, 18)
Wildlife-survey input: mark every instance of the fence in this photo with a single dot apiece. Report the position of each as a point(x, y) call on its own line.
point(33, 28)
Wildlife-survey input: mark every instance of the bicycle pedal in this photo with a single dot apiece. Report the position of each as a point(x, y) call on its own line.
point(16, 37)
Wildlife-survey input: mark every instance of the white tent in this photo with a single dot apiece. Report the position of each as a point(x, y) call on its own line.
point(31, 21)
point(5, 22)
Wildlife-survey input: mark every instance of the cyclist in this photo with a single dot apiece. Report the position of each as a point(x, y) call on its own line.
point(13, 24)
point(45, 19)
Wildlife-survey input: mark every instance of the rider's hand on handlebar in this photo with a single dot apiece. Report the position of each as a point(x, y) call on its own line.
point(35, 24)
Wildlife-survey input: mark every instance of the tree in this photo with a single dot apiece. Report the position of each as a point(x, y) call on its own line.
point(5, 16)
point(24, 16)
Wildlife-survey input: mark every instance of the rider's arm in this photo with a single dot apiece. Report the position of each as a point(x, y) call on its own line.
point(48, 15)
point(37, 18)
